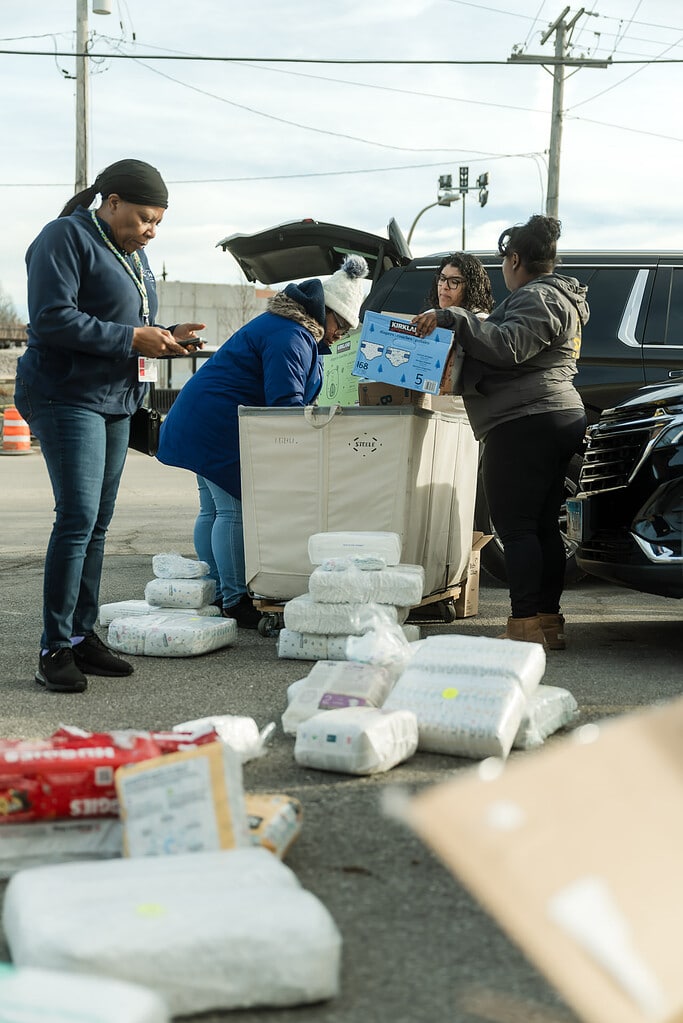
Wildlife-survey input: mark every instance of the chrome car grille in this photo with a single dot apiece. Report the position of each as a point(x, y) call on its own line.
point(617, 446)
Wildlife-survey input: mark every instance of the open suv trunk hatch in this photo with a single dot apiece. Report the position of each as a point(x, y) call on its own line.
point(308, 248)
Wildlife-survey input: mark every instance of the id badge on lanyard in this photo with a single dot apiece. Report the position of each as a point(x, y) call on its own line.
point(147, 370)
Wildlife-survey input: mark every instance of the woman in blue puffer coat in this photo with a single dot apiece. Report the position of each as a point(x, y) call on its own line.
point(275, 360)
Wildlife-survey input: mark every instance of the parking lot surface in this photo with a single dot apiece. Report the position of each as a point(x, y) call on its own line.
point(417, 948)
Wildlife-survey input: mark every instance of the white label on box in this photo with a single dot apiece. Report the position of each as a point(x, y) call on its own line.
point(171, 810)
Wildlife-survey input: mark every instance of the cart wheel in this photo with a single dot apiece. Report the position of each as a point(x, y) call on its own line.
point(269, 625)
point(447, 609)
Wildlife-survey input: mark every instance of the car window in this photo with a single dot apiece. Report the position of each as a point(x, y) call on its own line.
point(609, 288)
point(664, 325)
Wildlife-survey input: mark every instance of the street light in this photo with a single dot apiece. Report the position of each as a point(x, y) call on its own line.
point(99, 7)
point(445, 200)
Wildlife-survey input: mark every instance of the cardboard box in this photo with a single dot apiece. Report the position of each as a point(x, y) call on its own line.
point(186, 802)
point(467, 602)
point(339, 386)
point(371, 393)
point(391, 352)
point(576, 850)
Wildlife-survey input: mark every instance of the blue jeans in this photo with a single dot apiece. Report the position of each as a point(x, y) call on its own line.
point(85, 452)
point(219, 541)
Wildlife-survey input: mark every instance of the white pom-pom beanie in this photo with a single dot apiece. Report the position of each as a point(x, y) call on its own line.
point(344, 291)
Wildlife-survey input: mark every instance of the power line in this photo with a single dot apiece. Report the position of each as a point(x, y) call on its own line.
point(297, 124)
point(349, 61)
point(285, 177)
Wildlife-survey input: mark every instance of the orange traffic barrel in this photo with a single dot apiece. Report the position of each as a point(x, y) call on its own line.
point(16, 436)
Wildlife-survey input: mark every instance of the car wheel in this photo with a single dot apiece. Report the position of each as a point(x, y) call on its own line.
point(492, 557)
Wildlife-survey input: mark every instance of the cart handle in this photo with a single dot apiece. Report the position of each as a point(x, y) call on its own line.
point(314, 419)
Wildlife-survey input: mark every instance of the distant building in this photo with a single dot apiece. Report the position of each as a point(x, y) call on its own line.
point(224, 308)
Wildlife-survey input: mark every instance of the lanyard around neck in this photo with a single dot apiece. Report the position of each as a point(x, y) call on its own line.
point(135, 271)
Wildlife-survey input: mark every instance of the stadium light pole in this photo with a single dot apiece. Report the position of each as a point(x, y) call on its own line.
point(446, 196)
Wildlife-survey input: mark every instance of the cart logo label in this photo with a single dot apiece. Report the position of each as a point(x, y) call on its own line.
point(365, 444)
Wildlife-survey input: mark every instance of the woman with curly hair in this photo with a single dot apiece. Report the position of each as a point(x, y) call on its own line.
point(461, 280)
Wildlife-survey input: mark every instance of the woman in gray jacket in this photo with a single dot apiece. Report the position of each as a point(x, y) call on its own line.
point(516, 379)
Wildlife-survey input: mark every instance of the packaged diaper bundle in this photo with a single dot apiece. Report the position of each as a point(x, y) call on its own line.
point(170, 635)
point(207, 931)
point(356, 740)
point(469, 694)
point(304, 614)
point(548, 709)
point(175, 566)
point(341, 581)
point(333, 684)
point(185, 593)
point(308, 646)
point(129, 608)
point(370, 548)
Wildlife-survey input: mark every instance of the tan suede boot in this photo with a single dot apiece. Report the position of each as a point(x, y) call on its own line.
point(528, 630)
point(553, 630)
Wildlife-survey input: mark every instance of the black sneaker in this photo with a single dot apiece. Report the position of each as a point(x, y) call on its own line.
point(94, 658)
point(58, 672)
point(244, 613)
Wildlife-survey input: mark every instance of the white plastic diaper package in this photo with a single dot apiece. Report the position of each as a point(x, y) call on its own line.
point(127, 608)
point(29, 995)
point(170, 635)
point(332, 684)
point(547, 710)
point(386, 546)
point(469, 694)
point(175, 566)
point(347, 584)
point(473, 656)
point(356, 740)
point(307, 646)
point(264, 941)
point(304, 614)
point(242, 734)
point(35, 843)
point(189, 593)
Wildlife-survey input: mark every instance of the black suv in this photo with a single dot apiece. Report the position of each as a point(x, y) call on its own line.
point(634, 335)
point(628, 518)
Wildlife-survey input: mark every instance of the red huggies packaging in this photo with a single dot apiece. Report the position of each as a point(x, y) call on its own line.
point(71, 774)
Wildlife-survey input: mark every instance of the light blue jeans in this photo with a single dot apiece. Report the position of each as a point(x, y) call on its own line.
point(219, 541)
point(85, 452)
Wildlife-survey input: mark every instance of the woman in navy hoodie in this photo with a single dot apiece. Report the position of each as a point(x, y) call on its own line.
point(92, 306)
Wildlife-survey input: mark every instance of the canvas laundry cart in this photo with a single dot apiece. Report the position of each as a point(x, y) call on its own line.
point(310, 470)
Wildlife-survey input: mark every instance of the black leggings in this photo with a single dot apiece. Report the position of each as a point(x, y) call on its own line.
point(524, 464)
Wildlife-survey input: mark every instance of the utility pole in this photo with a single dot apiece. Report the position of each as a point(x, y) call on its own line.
point(560, 61)
point(82, 89)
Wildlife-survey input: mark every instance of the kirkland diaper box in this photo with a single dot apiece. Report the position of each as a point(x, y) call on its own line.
point(390, 352)
point(576, 849)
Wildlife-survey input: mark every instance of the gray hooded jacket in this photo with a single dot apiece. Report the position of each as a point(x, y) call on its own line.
point(522, 359)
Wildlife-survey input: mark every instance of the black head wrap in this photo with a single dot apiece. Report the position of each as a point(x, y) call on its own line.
point(135, 181)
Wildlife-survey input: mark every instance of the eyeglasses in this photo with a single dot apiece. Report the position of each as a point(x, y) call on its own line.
point(451, 282)
point(343, 328)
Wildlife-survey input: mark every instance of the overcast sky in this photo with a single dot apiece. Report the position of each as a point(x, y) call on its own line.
point(244, 145)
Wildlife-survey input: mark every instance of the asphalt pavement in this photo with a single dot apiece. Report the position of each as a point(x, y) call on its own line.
point(417, 948)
